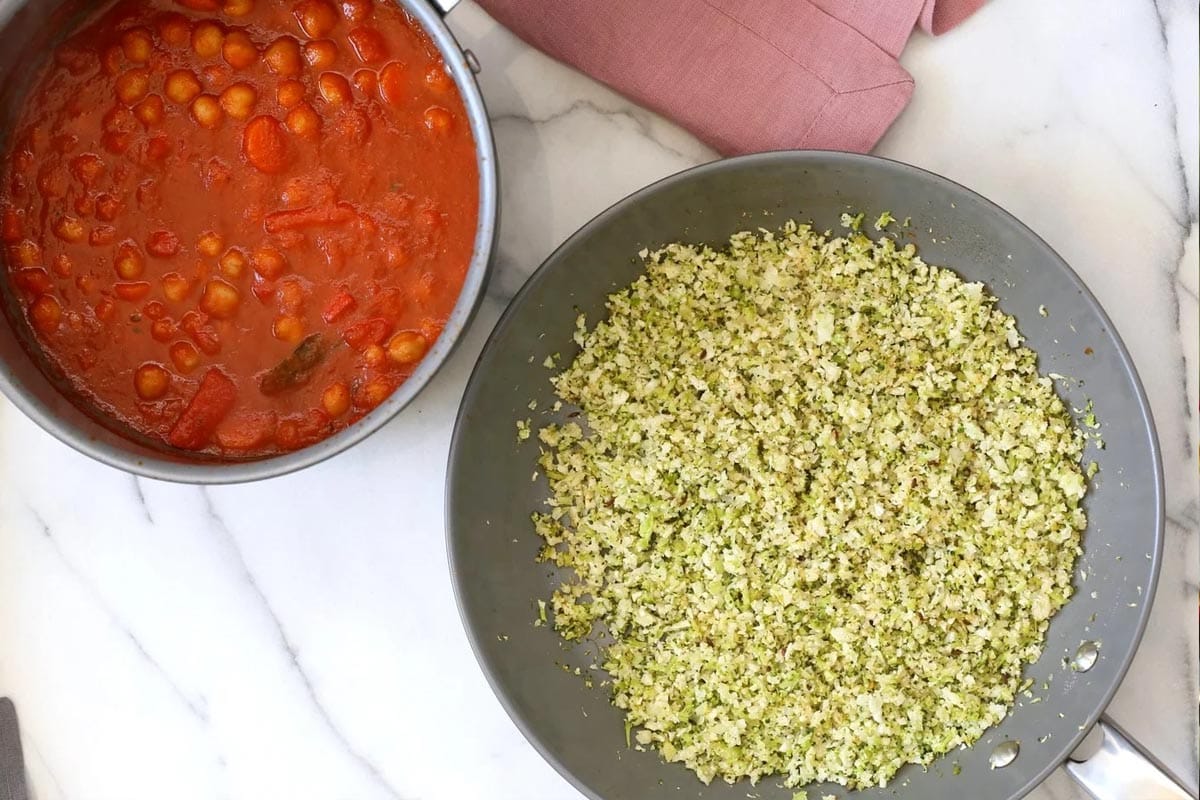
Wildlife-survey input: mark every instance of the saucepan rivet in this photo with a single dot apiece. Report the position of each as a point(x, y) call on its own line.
point(472, 61)
point(1005, 753)
point(1085, 657)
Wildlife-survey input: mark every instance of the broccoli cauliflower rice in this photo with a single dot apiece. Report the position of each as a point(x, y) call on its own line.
point(824, 506)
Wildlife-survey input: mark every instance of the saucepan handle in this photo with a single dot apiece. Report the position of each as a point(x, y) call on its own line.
point(443, 7)
point(1121, 769)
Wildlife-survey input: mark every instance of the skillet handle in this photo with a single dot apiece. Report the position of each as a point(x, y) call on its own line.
point(1121, 770)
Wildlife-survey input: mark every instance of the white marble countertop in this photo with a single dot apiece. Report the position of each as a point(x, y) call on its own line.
point(298, 639)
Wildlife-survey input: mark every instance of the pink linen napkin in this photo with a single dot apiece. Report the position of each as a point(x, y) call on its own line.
point(745, 75)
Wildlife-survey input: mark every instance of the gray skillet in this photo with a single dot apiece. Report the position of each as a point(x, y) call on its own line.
point(490, 494)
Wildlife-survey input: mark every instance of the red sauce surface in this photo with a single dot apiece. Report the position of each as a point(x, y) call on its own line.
point(236, 226)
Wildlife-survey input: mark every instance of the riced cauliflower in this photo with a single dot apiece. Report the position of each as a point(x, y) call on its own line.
point(821, 500)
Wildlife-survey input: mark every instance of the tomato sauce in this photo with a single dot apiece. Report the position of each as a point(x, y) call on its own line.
point(236, 226)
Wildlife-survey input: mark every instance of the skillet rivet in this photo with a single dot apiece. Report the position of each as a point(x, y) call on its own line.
point(1085, 657)
point(1005, 753)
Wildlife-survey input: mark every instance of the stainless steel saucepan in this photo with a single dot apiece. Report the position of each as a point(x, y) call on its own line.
point(1090, 642)
point(29, 29)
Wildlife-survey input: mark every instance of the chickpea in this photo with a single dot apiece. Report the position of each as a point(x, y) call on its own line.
point(137, 45)
point(154, 310)
point(27, 253)
point(51, 182)
point(149, 111)
point(105, 310)
point(290, 94)
point(107, 207)
point(438, 79)
point(88, 168)
point(336, 399)
point(407, 347)
point(334, 88)
point(395, 255)
point(366, 81)
point(12, 224)
point(374, 392)
point(438, 120)
point(283, 57)
point(129, 263)
point(316, 17)
point(85, 205)
point(393, 82)
point(269, 263)
point(291, 297)
point(238, 100)
point(69, 229)
point(288, 329)
point(237, 8)
point(163, 330)
point(206, 110)
point(220, 299)
point(215, 76)
point(374, 356)
point(209, 244)
point(174, 29)
point(175, 287)
point(151, 381)
point(356, 10)
point(232, 264)
point(62, 266)
point(33, 280)
point(184, 356)
point(304, 121)
point(287, 435)
point(239, 52)
point(181, 86)
point(133, 85)
point(320, 54)
point(368, 44)
point(207, 39)
point(45, 314)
